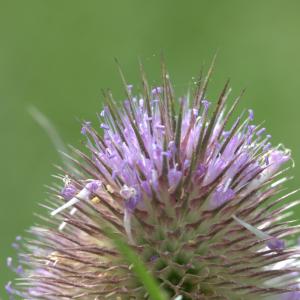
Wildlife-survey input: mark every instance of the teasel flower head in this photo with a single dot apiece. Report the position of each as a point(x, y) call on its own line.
point(193, 192)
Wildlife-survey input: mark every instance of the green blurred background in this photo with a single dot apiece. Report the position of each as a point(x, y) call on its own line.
point(58, 54)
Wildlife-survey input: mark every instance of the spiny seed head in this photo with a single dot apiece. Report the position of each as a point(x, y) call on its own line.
point(196, 198)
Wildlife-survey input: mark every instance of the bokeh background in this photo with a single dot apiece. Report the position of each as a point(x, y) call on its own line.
point(57, 55)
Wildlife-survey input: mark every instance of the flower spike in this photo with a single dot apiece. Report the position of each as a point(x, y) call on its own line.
point(198, 200)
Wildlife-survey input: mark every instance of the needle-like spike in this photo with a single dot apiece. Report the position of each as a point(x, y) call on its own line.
point(203, 89)
point(214, 117)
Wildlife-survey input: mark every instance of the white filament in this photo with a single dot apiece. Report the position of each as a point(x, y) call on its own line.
point(84, 194)
point(63, 224)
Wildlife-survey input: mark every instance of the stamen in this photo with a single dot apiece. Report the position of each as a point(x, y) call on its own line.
point(85, 127)
point(69, 191)
point(267, 147)
point(128, 192)
point(273, 243)
point(156, 91)
point(251, 115)
point(104, 126)
point(206, 104)
point(276, 244)
point(63, 224)
point(84, 194)
point(260, 132)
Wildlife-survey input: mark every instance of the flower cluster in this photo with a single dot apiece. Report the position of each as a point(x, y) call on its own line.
point(194, 193)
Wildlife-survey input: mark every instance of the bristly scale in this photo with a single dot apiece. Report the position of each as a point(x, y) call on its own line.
point(194, 197)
